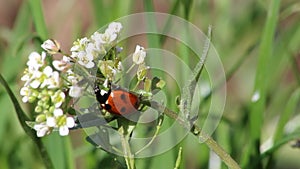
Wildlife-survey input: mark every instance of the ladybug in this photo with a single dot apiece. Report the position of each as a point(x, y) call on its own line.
point(117, 101)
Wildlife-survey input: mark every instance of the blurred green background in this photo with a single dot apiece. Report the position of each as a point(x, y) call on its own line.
point(258, 42)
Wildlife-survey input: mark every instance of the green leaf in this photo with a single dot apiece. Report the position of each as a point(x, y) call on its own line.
point(290, 108)
point(259, 96)
point(38, 18)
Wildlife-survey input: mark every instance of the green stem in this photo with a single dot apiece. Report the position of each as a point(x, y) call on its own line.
point(158, 126)
point(195, 130)
point(128, 156)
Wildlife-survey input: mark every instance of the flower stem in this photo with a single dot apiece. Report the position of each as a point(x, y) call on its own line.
point(128, 156)
point(200, 134)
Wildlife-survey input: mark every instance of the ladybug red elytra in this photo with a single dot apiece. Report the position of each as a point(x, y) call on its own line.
point(117, 101)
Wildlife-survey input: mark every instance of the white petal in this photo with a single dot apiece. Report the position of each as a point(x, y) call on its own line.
point(25, 99)
point(58, 112)
point(35, 84)
point(89, 65)
point(70, 122)
point(51, 122)
point(75, 91)
point(51, 46)
point(25, 77)
point(48, 45)
point(38, 126)
point(139, 55)
point(63, 130)
point(48, 71)
point(113, 37)
point(42, 132)
point(58, 65)
point(24, 91)
point(115, 26)
point(41, 129)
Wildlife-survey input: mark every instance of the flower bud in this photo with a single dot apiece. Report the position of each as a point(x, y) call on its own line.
point(40, 118)
point(51, 46)
point(139, 55)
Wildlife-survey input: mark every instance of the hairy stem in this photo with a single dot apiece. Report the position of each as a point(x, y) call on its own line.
point(195, 130)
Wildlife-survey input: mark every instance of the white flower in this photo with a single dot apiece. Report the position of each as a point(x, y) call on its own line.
point(115, 27)
point(41, 129)
point(85, 59)
point(98, 45)
point(64, 129)
point(35, 81)
point(63, 64)
point(139, 55)
point(54, 80)
point(72, 77)
point(75, 91)
point(43, 79)
point(26, 76)
point(36, 60)
point(108, 37)
point(26, 93)
point(58, 98)
point(51, 46)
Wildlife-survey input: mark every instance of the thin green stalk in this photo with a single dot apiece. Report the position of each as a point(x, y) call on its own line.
point(158, 126)
point(129, 157)
point(125, 129)
point(196, 131)
point(178, 160)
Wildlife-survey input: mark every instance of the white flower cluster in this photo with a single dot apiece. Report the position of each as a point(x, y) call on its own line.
point(51, 84)
point(86, 50)
point(44, 86)
point(46, 82)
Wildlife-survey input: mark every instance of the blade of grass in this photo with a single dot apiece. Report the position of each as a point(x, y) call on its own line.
point(22, 119)
point(291, 105)
point(257, 107)
point(100, 13)
point(187, 8)
point(295, 69)
point(38, 18)
point(153, 40)
point(167, 26)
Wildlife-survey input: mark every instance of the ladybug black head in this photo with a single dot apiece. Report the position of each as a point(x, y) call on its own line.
point(101, 95)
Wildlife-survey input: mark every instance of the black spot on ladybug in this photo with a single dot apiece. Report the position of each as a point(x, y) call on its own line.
point(123, 110)
point(123, 97)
